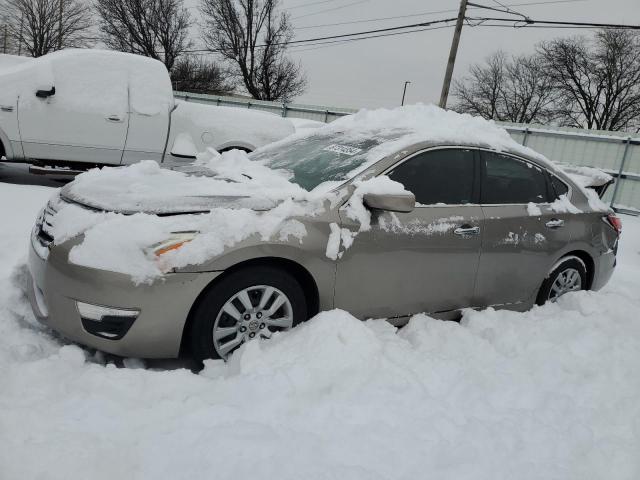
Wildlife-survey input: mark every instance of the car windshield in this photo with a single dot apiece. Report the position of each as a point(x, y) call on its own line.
point(323, 157)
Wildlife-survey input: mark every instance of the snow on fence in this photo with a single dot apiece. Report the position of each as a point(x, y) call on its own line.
point(617, 153)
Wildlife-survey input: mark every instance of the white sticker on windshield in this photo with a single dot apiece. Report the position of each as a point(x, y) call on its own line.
point(344, 149)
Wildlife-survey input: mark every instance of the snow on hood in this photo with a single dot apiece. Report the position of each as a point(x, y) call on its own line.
point(215, 181)
point(241, 197)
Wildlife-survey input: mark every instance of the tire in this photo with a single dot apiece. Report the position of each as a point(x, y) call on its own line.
point(228, 149)
point(222, 303)
point(570, 275)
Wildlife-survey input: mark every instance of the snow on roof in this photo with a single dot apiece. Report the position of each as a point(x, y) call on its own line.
point(9, 61)
point(82, 82)
point(413, 124)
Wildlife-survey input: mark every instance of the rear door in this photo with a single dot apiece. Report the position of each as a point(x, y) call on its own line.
point(86, 119)
point(422, 261)
point(522, 234)
point(150, 105)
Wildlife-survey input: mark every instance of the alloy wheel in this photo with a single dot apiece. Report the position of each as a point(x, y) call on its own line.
point(568, 280)
point(253, 312)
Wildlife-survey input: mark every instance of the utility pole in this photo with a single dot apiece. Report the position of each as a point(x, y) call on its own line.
point(4, 45)
point(452, 54)
point(404, 92)
point(20, 36)
point(60, 25)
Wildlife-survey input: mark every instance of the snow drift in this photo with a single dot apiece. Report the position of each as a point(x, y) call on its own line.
point(552, 393)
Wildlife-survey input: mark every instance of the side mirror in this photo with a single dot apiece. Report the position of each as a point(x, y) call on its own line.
point(391, 202)
point(46, 93)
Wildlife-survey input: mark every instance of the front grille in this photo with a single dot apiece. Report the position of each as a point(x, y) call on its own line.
point(43, 230)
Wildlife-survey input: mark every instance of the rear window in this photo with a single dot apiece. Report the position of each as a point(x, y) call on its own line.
point(559, 187)
point(507, 180)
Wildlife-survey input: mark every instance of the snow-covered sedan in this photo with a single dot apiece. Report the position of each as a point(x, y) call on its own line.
point(385, 213)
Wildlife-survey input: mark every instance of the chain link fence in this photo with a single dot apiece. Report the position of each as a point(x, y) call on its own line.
point(616, 153)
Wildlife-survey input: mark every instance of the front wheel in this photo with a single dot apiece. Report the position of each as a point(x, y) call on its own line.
point(245, 305)
point(569, 276)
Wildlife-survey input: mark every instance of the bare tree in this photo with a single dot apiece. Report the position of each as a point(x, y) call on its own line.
point(597, 80)
point(192, 74)
point(479, 92)
point(252, 36)
point(6, 40)
point(42, 26)
point(513, 89)
point(154, 28)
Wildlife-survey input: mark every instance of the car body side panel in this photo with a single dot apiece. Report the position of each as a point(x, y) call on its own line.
point(9, 133)
point(210, 126)
point(517, 251)
point(309, 254)
point(410, 263)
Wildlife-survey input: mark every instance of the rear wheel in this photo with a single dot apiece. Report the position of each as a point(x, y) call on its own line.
point(569, 276)
point(245, 305)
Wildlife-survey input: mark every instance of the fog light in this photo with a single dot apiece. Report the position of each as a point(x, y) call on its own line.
point(106, 322)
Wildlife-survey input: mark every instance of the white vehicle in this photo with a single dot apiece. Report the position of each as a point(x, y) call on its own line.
point(80, 108)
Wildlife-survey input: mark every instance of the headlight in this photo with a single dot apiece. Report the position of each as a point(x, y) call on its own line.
point(174, 242)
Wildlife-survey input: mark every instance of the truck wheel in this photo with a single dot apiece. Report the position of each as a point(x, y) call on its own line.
point(244, 149)
point(247, 304)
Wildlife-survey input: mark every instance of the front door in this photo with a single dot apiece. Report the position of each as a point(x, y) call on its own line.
point(422, 261)
point(85, 120)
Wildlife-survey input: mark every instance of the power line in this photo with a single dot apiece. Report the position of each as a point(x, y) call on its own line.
point(300, 48)
point(302, 5)
point(433, 12)
point(418, 27)
point(379, 30)
point(557, 22)
point(330, 9)
point(353, 34)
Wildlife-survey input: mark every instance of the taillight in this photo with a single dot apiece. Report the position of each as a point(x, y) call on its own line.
point(615, 222)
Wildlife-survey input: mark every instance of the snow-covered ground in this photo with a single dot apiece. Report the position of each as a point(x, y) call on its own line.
point(549, 394)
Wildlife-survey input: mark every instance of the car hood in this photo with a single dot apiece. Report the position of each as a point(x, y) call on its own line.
point(145, 197)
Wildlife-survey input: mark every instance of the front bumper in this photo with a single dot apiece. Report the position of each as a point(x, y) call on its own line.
point(55, 286)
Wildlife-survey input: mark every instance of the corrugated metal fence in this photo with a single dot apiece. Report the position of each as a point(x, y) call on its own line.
point(616, 153)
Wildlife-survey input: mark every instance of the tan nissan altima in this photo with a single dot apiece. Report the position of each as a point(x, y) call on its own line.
point(477, 225)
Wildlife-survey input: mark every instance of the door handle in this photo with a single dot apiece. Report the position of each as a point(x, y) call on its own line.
point(6, 108)
point(464, 230)
point(114, 118)
point(555, 223)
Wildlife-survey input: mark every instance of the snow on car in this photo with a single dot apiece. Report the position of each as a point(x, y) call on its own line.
point(74, 112)
point(143, 261)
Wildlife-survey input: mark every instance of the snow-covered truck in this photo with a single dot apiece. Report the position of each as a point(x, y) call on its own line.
point(81, 108)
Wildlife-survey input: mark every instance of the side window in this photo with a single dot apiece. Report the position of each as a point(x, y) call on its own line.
point(559, 187)
point(508, 180)
point(439, 176)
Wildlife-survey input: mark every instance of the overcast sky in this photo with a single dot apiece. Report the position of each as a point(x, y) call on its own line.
point(372, 72)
